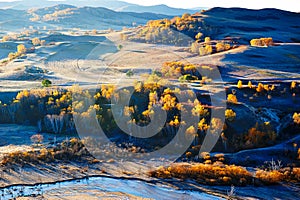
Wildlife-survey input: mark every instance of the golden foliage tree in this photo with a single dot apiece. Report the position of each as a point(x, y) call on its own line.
point(230, 114)
point(36, 41)
point(296, 118)
point(231, 98)
point(240, 84)
point(21, 49)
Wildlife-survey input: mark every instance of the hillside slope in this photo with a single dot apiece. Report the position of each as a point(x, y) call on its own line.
point(68, 16)
point(219, 23)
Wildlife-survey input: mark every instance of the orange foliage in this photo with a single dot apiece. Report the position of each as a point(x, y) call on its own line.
point(214, 174)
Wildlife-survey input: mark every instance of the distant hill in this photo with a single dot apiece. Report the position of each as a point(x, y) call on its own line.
point(162, 9)
point(110, 4)
point(68, 16)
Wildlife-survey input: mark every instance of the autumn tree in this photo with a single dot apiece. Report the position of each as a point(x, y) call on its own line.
point(230, 114)
point(94, 32)
point(293, 85)
point(220, 47)
point(207, 39)
point(232, 98)
point(36, 41)
point(21, 49)
point(260, 88)
point(5, 38)
point(205, 50)
point(199, 36)
point(296, 118)
point(250, 85)
point(12, 56)
point(240, 84)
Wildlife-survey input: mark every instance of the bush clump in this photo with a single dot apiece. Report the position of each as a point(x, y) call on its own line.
point(212, 174)
point(262, 42)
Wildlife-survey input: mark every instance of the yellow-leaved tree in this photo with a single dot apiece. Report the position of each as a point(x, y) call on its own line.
point(21, 49)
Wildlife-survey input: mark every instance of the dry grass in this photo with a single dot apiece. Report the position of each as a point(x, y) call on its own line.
point(277, 176)
point(67, 150)
point(212, 174)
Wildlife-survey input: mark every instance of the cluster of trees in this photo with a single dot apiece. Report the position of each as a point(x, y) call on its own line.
point(178, 69)
point(259, 88)
point(177, 31)
point(54, 109)
point(37, 42)
point(208, 47)
point(269, 89)
point(262, 42)
point(260, 136)
point(55, 15)
point(6, 38)
point(50, 109)
point(19, 36)
point(21, 50)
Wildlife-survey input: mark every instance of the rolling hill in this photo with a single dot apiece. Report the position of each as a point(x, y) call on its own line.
point(68, 16)
point(220, 23)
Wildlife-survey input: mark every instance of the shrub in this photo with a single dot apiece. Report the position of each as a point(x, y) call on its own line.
point(157, 73)
point(129, 73)
point(46, 83)
point(187, 77)
point(120, 47)
point(270, 177)
point(37, 139)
